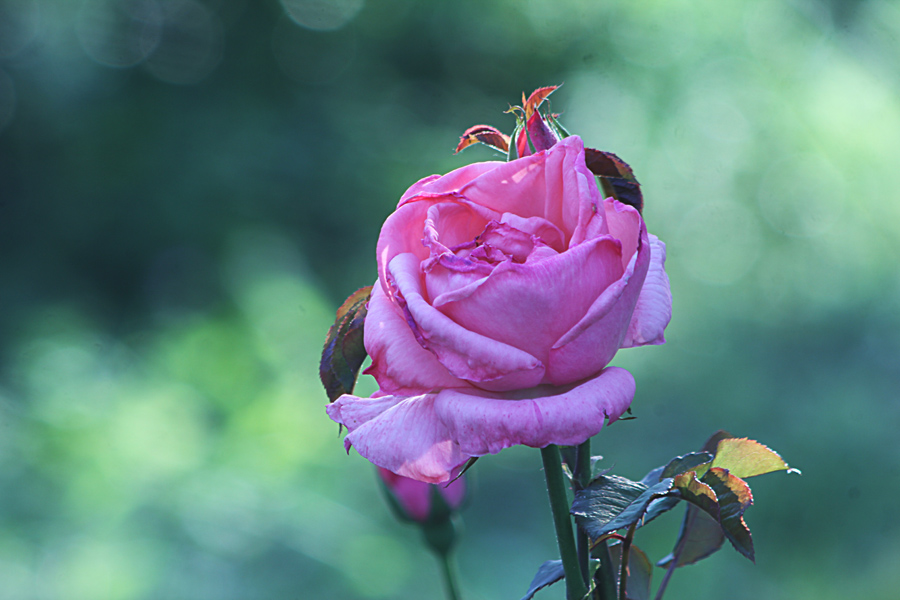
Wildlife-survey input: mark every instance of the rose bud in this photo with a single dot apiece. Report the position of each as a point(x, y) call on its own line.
point(413, 500)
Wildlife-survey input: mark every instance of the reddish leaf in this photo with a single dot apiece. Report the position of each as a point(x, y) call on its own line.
point(536, 98)
point(483, 134)
point(734, 497)
point(696, 492)
point(712, 444)
point(344, 352)
point(700, 536)
point(616, 176)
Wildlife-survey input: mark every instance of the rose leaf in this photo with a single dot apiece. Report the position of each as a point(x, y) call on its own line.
point(640, 571)
point(616, 177)
point(747, 458)
point(484, 134)
point(611, 502)
point(344, 352)
point(548, 573)
point(700, 536)
point(734, 497)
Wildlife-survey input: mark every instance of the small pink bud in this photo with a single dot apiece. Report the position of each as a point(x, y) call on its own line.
point(414, 500)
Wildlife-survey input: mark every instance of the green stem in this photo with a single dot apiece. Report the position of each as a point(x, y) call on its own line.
point(626, 552)
point(448, 572)
point(582, 475)
point(559, 506)
point(605, 577)
point(666, 578)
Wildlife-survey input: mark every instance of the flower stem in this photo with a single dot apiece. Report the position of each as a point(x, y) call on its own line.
point(559, 506)
point(605, 576)
point(626, 551)
point(448, 572)
point(582, 475)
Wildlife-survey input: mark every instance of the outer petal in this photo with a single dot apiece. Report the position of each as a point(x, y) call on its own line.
point(567, 416)
point(654, 306)
point(592, 343)
point(452, 181)
point(466, 354)
point(398, 361)
point(530, 306)
point(401, 434)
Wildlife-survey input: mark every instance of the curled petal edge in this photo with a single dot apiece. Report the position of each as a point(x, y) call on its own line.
point(425, 437)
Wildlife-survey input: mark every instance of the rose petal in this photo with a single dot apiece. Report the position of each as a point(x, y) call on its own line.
point(399, 362)
point(624, 223)
point(530, 306)
point(554, 185)
point(401, 434)
point(485, 425)
point(452, 181)
point(654, 306)
point(593, 342)
point(549, 233)
point(466, 354)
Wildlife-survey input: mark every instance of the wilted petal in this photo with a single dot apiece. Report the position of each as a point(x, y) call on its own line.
point(565, 416)
point(654, 306)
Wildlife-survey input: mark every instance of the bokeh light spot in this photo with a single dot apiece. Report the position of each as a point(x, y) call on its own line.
point(119, 33)
point(19, 25)
point(322, 15)
point(312, 57)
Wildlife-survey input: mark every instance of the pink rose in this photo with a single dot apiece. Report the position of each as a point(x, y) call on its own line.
point(504, 290)
point(415, 498)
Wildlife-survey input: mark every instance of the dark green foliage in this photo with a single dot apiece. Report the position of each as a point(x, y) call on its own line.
point(548, 573)
point(612, 502)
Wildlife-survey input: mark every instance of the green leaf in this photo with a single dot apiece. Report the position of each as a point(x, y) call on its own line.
point(640, 571)
point(734, 497)
point(747, 458)
point(660, 506)
point(344, 352)
point(513, 152)
point(612, 502)
point(694, 461)
point(700, 536)
point(548, 573)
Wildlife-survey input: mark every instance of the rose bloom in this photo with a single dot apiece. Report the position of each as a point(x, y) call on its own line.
point(504, 290)
point(415, 499)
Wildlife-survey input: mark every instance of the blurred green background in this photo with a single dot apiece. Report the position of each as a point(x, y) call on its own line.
point(189, 188)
